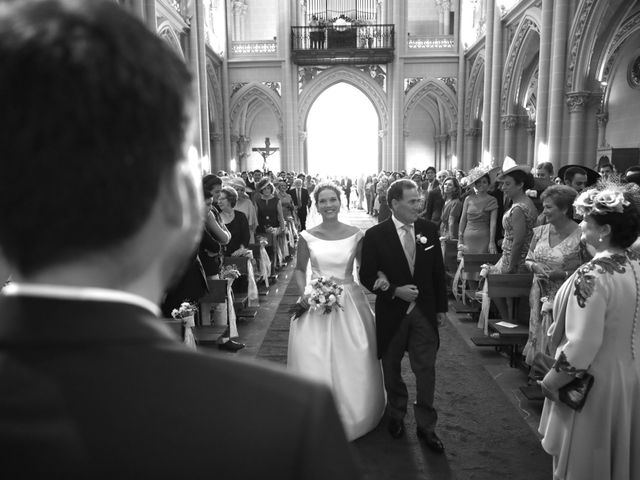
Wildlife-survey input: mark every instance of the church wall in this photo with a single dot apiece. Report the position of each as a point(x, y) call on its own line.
point(261, 19)
point(419, 145)
point(624, 101)
point(422, 17)
point(265, 125)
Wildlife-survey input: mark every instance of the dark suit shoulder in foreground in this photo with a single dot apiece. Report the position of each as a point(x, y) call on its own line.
point(104, 390)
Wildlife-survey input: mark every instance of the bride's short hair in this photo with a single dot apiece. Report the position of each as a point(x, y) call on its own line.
point(326, 186)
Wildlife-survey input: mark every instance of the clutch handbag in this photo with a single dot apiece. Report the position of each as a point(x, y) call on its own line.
point(574, 394)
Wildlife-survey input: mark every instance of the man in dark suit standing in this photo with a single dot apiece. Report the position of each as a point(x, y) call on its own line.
point(410, 305)
point(94, 384)
point(301, 200)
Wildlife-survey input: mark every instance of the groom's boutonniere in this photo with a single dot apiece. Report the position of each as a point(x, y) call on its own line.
point(422, 240)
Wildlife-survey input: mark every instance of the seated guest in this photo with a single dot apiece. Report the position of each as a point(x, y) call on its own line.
point(554, 254)
point(235, 221)
point(95, 384)
point(452, 209)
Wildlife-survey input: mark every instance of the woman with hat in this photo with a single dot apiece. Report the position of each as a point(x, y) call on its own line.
point(518, 223)
point(245, 205)
point(270, 216)
point(477, 233)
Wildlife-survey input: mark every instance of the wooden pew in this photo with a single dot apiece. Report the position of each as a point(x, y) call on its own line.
point(241, 297)
point(472, 265)
point(512, 287)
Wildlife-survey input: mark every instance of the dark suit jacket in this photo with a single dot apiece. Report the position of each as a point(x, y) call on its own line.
point(104, 390)
point(304, 193)
point(433, 206)
point(382, 251)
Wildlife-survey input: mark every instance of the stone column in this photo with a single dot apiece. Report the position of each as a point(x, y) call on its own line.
point(216, 141)
point(444, 141)
point(202, 79)
point(446, 8)
point(557, 80)
point(488, 65)
point(471, 135)
point(544, 65)
point(462, 88)
point(496, 83)
point(509, 124)
point(577, 103)
point(193, 61)
point(150, 15)
point(602, 117)
point(233, 139)
point(239, 9)
point(531, 139)
point(302, 165)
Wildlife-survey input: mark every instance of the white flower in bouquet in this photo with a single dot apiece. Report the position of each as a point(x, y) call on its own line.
point(185, 310)
point(322, 293)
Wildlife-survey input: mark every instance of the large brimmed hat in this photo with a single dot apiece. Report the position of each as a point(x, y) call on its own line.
point(509, 165)
point(236, 182)
point(480, 171)
point(592, 175)
point(264, 183)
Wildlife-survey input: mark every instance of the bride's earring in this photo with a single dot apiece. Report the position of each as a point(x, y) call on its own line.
point(600, 239)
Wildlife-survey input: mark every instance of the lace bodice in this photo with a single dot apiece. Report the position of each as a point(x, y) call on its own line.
point(332, 258)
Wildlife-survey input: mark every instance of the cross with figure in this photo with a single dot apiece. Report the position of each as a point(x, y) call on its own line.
point(266, 152)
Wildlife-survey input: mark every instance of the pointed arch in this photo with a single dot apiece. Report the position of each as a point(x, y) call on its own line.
point(248, 101)
point(352, 76)
point(473, 95)
point(169, 35)
point(518, 61)
point(438, 91)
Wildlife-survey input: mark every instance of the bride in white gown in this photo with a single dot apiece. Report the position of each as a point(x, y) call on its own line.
point(338, 348)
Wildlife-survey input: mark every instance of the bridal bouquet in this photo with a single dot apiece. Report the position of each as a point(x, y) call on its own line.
point(321, 294)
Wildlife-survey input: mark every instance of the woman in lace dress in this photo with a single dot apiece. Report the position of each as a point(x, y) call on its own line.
point(554, 254)
point(598, 330)
point(338, 348)
point(518, 223)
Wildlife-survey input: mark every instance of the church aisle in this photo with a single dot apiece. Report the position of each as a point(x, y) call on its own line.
point(485, 434)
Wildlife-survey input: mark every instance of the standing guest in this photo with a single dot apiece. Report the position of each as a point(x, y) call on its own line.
point(301, 200)
point(479, 215)
point(246, 206)
point(269, 207)
point(554, 254)
point(597, 331)
point(288, 208)
point(360, 191)
point(235, 222)
point(434, 203)
point(257, 177)
point(250, 182)
point(450, 222)
point(216, 234)
point(383, 207)
point(347, 191)
point(95, 384)
point(459, 175)
point(518, 223)
point(368, 194)
point(606, 171)
point(542, 180)
point(430, 182)
point(578, 177)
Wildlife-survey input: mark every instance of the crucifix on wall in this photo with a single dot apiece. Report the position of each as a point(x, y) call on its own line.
point(266, 152)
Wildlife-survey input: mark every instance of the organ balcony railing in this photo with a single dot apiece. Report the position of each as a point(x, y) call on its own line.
point(326, 45)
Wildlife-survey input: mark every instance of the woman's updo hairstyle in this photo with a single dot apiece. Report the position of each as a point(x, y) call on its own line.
point(521, 177)
point(614, 205)
point(325, 186)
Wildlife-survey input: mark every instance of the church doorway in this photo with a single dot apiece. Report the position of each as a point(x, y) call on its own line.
point(342, 133)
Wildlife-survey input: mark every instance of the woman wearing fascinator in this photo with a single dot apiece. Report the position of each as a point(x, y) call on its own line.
point(594, 434)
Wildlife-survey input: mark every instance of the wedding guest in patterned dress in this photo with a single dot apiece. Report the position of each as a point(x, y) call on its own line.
point(518, 223)
point(598, 332)
point(479, 215)
point(554, 254)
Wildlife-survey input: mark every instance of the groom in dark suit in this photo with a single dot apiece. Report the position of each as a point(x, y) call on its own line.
point(93, 384)
point(410, 306)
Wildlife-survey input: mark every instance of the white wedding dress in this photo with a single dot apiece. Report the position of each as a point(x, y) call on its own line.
point(339, 348)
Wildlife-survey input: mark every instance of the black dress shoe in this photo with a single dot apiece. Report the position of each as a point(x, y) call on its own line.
point(431, 440)
point(396, 428)
point(231, 346)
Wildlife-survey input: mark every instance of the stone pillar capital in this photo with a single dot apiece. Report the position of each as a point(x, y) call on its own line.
point(383, 133)
point(509, 121)
point(215, 137)
point(602, 118)
point(453, 134)
point(472, 132)
point(302, 135)
point(531, 129)
point(578, 101)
